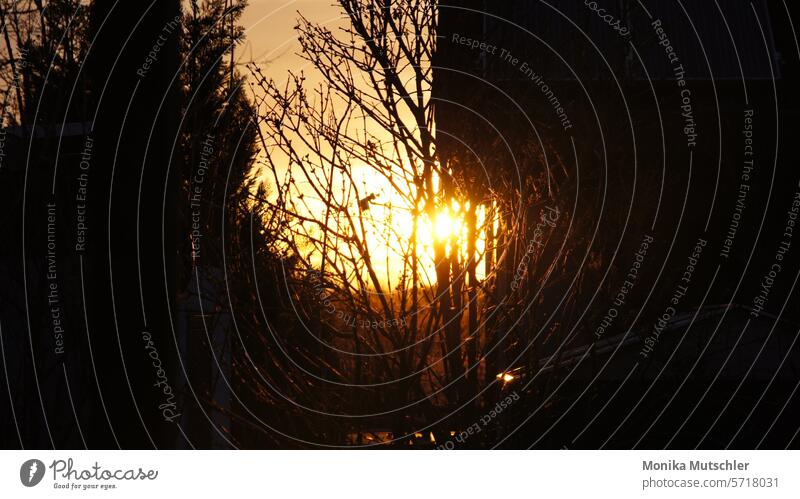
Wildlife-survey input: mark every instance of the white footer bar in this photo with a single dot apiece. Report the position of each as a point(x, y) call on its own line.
point(389, 474)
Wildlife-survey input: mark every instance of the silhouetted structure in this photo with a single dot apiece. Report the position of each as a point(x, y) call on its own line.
point(132, 219)
point(640, 115)
point(90, 204)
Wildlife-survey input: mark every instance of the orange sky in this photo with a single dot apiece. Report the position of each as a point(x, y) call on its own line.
point(272, 42)
point(271, 39)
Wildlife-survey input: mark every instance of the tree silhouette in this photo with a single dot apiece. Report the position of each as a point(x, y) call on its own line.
point(351, 156)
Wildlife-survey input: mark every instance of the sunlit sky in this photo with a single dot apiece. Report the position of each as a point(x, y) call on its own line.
point(271, 41)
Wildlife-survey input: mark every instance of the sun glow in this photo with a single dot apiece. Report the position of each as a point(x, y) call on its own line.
point(445, 225)
point(449, 223)
point(391, 227)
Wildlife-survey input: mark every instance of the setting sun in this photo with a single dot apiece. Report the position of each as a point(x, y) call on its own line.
point(445, 226)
